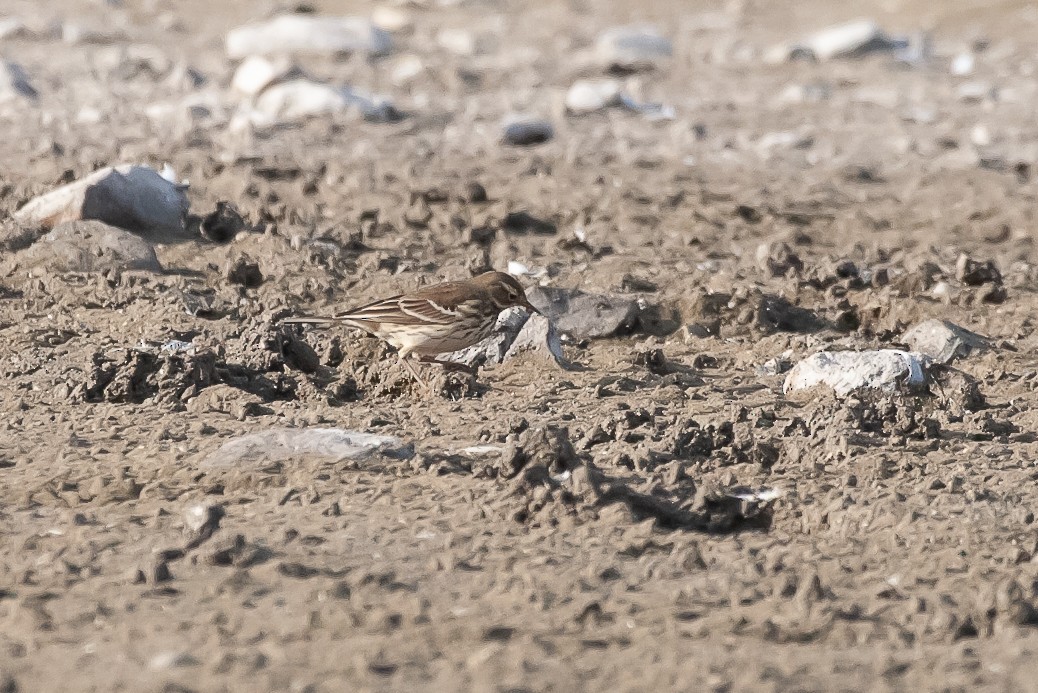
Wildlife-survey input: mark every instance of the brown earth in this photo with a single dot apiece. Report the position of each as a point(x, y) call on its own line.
point(599, 548)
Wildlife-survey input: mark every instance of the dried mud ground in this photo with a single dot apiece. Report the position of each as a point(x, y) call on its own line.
point(902, 552)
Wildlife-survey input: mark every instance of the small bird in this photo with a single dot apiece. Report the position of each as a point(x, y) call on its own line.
point(436, 319)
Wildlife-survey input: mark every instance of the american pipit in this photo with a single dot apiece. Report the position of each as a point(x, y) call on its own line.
point(436, 319)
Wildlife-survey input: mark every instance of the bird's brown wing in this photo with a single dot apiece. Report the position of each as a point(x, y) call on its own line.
point(405, 309)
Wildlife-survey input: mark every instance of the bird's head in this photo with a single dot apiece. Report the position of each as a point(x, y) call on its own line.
point(505, 291)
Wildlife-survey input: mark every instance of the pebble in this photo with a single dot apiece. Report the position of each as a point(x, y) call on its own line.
point(257, 72)
point(526, 131)
point(839, 41)
point(279, 444)
point(588, 96)
point(392, 19)
point(847, 371)
point(943, 341)
point(15, 83)
point(963, 64)
point(632, 47)
point(583, 315)
point(11, 27)
point(89, 246)
point(460, 42)
point(299, 99)
point(308, 35)
point(133, 197)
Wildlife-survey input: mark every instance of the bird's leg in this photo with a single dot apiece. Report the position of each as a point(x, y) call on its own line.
point(450, 365)
point(407, 364)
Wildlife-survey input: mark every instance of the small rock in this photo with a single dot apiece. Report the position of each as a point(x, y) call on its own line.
point(631, 48)
point(523, 132)
point(256, 73)
point(847, 371)
point(310, 35)
point(492, 350)
point(974, 273)
point(202, 518)
point(132, 197)
point(89, 246)
point(14, 82)
point(588, 96)
point(475, 192)
point(962, 65)
point(405, 69)
point(222, 224)
point(851, 39)
point(538, 337)
point(299, 99)
point(12, 27)
point(943, 341)
point(392, 18)
point(583, 315)
point(244, 272)
point(279, 444)
point(460, 42)
point(522, 222)
point(172, 660)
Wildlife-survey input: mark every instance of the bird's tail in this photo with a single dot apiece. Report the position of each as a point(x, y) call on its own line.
point(309, 320)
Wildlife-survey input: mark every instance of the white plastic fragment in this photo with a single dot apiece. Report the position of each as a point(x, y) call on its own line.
point(133, 197)
point(300, 34)
point(846, 371)
point(280, 444)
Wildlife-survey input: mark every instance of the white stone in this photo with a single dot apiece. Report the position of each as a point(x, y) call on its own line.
point(963, 64)
point(392, 18)
point(302, 34)
point(406, 68)
point(11, 27)
point(300, 99)
point(846, 371)
point(256, 73)
point(833, 42)
point(588, 96)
